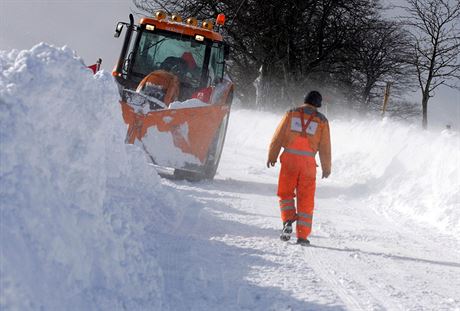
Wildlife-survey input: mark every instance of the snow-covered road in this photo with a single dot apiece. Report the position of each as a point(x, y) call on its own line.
point(228, 255)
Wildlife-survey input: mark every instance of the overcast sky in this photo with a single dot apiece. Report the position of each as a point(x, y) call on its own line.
point(87, 26)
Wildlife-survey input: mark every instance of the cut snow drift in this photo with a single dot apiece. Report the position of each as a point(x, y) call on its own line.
point(71, 192)
point(400, 170)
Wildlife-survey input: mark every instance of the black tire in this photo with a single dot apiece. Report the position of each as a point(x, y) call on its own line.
point(187, 175)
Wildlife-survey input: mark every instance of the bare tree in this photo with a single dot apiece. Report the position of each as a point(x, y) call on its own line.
point(435, 28)
point(287, 47)
point(380, 57)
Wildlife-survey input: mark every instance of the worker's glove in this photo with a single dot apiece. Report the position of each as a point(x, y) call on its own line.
point(272, 163)
point(326, 174)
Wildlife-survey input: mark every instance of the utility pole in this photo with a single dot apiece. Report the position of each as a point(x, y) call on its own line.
point(386, 96)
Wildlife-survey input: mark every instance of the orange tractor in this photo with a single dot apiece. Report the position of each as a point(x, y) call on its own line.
point(175, 96)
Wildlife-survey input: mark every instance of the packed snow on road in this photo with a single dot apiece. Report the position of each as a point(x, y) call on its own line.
point(87, 224)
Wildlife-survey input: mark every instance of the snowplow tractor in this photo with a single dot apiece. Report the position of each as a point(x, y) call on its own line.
point(175, 96)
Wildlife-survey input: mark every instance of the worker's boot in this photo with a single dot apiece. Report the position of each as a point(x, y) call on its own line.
point(287, 230)
point(303, 242)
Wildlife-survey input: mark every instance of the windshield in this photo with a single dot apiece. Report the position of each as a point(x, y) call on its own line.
point(181, 55)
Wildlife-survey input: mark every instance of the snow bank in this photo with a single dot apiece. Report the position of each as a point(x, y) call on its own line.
point(189, 103)
point(76, 202)
point(400, 169)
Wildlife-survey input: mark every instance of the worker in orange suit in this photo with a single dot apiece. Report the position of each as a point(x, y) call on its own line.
point(160, 84)
point(302, 133)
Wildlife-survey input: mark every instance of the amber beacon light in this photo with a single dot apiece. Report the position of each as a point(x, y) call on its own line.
point(192, 21)
point(207, 25)
point(160, 15)
point(176, 18)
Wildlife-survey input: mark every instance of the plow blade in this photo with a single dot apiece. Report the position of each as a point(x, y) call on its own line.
point(188, 140)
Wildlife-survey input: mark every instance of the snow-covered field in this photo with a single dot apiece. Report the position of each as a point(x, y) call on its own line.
point(86, 224)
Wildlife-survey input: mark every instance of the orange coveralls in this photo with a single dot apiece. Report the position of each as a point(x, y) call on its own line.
point(302, 132)
point(165, 80)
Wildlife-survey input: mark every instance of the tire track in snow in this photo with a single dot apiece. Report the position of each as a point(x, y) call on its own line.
point(351, 301)
point(348, 270)
point(365, 295)
point(359, 291)
point(288, 256)
point(387, 259)
point(289, 273)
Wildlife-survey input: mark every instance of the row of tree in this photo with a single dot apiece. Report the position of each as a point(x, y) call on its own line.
point(342, 47)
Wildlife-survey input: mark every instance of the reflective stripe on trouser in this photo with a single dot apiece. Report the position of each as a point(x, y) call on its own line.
point(287, 207)
point(297, 178)
point(304, 224)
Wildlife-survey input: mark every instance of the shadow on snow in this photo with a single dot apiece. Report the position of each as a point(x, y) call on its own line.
point(202, 273)
point(391, 256)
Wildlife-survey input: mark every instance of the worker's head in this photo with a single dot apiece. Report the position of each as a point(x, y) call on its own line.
point(174, 65)
point(313, 98)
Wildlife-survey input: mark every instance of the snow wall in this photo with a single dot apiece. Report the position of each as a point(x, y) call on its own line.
point(74, 197)
point(400, 170)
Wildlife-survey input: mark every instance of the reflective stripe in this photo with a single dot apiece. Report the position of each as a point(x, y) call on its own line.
point(287, 201)
point(303, 223)
point(300, 152)
point(287, 207)
point(304, 215)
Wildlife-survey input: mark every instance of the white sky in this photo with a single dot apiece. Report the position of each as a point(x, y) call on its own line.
point(87, 26)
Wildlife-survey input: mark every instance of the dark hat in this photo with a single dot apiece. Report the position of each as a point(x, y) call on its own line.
point(314, 98)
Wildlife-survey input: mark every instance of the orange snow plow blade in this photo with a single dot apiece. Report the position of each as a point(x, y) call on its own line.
point(185, 131)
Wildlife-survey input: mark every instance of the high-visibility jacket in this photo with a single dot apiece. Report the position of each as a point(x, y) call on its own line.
point(317, 134)
point(302, 133)
point(167, 82)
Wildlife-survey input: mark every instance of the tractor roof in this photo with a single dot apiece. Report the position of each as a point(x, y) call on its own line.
point(181, 28)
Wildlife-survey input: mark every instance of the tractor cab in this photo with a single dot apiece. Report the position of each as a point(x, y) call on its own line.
point(193, 56)
point(173, 89)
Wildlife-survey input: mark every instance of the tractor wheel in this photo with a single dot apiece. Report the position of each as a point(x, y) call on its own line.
point(187, 175)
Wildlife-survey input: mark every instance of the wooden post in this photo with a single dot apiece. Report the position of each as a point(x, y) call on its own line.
point(385, 98)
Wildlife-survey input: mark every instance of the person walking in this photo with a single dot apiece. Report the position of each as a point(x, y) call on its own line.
point(302, 133)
